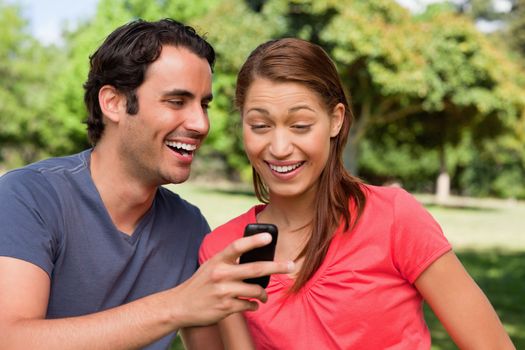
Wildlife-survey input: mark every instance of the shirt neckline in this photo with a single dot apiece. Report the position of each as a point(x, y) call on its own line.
point(286, 280)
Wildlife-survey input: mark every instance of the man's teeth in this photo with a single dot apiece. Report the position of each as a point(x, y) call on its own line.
point(285, 168)
point(181, 146)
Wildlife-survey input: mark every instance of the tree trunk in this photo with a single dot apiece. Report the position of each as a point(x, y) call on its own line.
point(350, 154)
point(443, 180)
point(357, 132)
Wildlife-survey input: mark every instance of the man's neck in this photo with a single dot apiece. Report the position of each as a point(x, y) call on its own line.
point(126, 199)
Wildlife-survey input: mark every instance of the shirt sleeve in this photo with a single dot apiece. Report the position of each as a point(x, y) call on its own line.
point(418, 239)
point(27, 226)
point(214, 242)
point(221, 237)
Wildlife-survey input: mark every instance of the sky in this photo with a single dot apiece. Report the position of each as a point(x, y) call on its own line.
point(48, 17)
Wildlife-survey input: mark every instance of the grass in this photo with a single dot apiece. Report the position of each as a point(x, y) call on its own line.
point(488, 237)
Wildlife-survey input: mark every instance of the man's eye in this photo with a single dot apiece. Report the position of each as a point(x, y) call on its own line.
point(177, 103)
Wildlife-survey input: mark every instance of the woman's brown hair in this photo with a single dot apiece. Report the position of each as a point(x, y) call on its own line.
point(299, 61)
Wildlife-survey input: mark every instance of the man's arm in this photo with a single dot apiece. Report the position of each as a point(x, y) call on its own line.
point(211, 294)
point(24, 290)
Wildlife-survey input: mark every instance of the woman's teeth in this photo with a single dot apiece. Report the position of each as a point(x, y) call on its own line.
point(285, 168)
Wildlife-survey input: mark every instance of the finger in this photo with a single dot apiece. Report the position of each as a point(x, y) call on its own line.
point(263, 268)
point(236, 287)
point(252, 291)
point(235, 249)
point(244, 305)
point(232, 293)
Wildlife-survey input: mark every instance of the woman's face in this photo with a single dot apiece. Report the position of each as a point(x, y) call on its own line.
point(287, 131)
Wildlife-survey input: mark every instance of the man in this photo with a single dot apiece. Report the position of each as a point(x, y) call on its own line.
point(94, 253)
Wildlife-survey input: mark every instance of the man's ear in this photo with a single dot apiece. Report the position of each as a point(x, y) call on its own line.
point(338, 116)
point(112, 102)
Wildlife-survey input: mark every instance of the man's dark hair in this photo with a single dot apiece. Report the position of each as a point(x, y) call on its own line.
point(122, 60)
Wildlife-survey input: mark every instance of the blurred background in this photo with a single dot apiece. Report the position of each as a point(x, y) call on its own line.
point(437, 89)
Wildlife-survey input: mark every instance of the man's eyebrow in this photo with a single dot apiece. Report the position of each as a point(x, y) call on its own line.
point(185, 93)
point(178, 92)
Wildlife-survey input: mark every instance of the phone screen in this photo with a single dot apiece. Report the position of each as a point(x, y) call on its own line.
point(265, 253)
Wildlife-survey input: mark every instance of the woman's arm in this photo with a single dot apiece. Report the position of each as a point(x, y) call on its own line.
point(461, 306)
point(235, 334)
point(229, 334)
point(201, 338)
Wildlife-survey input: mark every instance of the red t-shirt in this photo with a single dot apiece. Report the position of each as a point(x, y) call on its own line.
point(362, 296)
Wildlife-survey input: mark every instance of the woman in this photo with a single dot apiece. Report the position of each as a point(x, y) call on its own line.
point(366, 257)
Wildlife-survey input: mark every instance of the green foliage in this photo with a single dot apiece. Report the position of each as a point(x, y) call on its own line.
point(437, 69)
point(516, 31)
point(187, 10)
point(497, 169)
point(24, 77)
point(419, 84)
point(387, 157)
point(66, 132)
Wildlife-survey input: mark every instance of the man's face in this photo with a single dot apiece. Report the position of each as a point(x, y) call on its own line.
point(159, 142)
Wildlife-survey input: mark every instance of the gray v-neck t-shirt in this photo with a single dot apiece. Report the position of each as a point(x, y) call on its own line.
point(51, 215)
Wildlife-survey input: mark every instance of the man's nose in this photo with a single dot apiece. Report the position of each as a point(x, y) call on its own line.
point(198, 120)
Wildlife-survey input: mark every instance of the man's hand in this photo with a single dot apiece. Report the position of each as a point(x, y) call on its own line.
point(217, 289)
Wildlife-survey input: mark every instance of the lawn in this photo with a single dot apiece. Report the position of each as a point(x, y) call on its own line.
point(488, 237)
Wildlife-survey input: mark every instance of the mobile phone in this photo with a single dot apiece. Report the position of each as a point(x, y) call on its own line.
point(265, 253)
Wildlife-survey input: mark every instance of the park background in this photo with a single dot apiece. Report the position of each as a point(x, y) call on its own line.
point(438, 94)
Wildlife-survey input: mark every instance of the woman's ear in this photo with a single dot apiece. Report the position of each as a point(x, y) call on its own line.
point(336, 122)
point(112, 102)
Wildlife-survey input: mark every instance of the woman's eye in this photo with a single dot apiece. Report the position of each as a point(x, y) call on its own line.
point(302, 127)
point(258, 126)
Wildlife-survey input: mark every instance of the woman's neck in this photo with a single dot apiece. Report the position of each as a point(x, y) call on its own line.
point(289, 213)
point(293, 216)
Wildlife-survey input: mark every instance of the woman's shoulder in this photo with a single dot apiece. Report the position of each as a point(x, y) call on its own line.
point(387, 194)
point(391, 201)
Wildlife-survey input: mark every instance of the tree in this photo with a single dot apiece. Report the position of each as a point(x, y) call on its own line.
point(23, 81)
point(65, 132)
point(516, 28)
point(432, 87)
point(436, 69)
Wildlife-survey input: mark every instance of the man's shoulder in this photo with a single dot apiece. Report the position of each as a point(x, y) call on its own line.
point(171, 201)
point(70, 163)
point(37, 178)
point(172, 198)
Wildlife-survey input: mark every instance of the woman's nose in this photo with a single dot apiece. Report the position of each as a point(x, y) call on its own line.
point(280, 145)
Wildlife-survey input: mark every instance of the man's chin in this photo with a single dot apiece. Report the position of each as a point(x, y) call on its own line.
point(178, 178)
